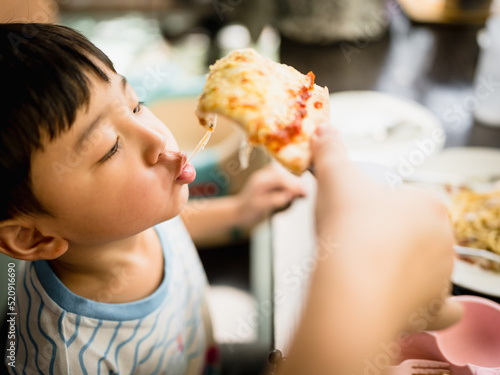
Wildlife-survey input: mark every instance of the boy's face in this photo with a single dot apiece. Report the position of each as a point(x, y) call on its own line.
point(115, 173)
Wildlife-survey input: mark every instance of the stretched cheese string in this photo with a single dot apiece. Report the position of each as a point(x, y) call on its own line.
point(244, 153)
point(203, 142)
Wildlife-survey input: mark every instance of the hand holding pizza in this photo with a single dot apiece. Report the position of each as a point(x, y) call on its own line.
point(407, 232)
point(385, 260)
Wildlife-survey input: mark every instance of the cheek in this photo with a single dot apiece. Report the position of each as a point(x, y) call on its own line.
point(146, 198)
point(128, 209)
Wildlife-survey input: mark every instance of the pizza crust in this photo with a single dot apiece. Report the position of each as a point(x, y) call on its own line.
point(276, 105)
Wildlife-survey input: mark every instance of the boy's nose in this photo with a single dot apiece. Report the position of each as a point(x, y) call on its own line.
point(153, 144)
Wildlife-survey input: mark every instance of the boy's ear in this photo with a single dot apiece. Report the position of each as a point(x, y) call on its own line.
point(20, 239)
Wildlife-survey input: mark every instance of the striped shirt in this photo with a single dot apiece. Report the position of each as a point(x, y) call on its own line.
point(168, 332)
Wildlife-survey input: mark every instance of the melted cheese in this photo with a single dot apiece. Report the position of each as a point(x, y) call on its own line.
point(244, 154)
point(203, 142)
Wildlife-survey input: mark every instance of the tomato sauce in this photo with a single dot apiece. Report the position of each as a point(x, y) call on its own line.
point(285, 135)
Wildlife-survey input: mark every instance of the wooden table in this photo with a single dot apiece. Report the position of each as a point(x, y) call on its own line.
point(432, 64)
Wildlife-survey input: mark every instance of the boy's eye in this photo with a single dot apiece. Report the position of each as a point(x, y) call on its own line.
point(111, 152)
point(138, 108)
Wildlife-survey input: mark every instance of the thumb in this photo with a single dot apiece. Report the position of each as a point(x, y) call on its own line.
point(449, 314)
point(331, 165)
point(327, 148)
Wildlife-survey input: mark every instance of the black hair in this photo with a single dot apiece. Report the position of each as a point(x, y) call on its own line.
point(44, 81)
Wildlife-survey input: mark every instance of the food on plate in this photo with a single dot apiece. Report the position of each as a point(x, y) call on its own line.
point(476, 220)
point(277, 106)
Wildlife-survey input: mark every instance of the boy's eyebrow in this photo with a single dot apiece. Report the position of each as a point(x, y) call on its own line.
point(86, 133)
point(124, 83)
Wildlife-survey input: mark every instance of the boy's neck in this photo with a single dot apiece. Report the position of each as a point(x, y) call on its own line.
point(118, 272)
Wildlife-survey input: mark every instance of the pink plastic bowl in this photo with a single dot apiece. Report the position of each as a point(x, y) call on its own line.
point(476, 338)
point(471, 346)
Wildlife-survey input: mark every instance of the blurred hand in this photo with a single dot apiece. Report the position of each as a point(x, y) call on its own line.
point(395, 247)
point(384, 261)
point(267, 190)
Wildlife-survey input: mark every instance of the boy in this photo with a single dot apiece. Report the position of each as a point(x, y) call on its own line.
point(88, 172)
point(92, 184)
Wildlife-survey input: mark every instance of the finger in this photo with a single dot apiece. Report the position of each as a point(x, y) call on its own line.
point(276, 179)
point(279, 199)
point(449, 314)
point(327, 148)
point(332, 168)
point(290, 184)
point(337, 177)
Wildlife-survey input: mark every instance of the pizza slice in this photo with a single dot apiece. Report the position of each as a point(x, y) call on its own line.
point(277, 106)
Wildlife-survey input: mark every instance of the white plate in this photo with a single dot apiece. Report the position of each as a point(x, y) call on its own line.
point(385, 129)
point(469, 163)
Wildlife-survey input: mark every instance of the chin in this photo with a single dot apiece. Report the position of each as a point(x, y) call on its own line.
point(184, 196)
point(180, 203)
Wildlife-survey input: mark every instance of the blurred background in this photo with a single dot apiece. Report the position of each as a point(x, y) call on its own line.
point(433, 66)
